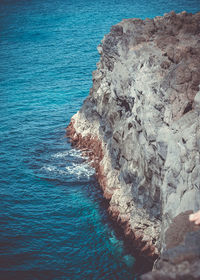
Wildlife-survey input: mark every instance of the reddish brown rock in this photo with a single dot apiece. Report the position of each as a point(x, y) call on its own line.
point(92, 148)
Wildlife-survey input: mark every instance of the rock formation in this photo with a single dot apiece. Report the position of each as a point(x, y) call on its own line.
point(140, 127)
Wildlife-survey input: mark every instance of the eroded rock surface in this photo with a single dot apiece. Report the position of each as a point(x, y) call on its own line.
point(181, 258)
point(140, 126)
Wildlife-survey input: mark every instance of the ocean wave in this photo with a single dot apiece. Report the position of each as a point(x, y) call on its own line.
point(49, 168)
point(80, 170)
point(72, 153)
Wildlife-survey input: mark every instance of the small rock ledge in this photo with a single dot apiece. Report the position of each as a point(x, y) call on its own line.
point(140, 127)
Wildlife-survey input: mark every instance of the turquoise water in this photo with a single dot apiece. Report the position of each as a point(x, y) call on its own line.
point(54, 223)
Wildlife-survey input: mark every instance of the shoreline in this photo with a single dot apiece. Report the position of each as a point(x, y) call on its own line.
point(139, 126)
point(91, 147)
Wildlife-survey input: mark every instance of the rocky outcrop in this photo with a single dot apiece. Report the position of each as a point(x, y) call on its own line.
point(140, 127)
point(181, 258)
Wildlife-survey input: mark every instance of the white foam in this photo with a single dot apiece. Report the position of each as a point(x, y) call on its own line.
point(73, 153)
point(53, 169)
point(60, 155)
point(49, 168)
point(80, 170)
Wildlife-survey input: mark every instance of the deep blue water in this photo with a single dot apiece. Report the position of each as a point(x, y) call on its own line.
point(54, 223)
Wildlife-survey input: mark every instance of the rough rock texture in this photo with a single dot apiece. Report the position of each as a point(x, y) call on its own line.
point(140, 127)
point(181, 259)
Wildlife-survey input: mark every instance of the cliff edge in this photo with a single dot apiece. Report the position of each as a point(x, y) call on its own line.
point(140, 127)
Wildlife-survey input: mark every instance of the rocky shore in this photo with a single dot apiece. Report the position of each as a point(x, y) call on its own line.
point(140, 127)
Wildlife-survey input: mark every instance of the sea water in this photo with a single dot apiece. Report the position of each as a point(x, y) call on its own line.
point(54, 223)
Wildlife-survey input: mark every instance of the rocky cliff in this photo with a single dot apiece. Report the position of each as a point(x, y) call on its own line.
point(140, 127)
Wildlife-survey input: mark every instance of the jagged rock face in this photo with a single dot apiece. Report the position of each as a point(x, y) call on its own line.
point(180, 260)
point(144, 113)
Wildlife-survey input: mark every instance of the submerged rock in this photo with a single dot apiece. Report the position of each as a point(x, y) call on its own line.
point(140, 127)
